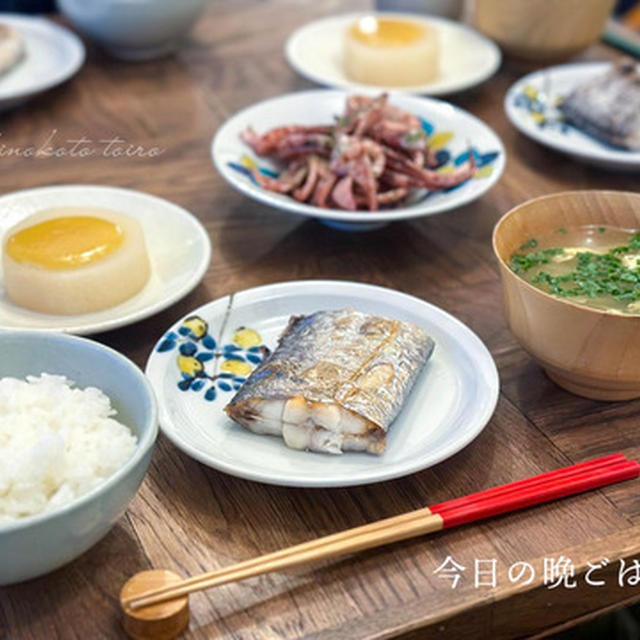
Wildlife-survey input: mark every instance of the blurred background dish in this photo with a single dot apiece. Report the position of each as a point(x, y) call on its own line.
point(542, 30)
point(12, 47)
point(38, 544)
point(587, 351)
point(134, 29)
point(316, 51)
point(52, 54)
point(531, 104)
point(178, 246)
point(446, 8)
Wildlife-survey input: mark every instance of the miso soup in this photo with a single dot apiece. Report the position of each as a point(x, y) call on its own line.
point(592, 265)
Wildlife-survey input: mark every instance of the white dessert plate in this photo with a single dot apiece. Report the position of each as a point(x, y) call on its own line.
point(467, 58)
point(451, 130)
point(52, 55)
point(178, 246)
point(451, 402)
point(531, 106)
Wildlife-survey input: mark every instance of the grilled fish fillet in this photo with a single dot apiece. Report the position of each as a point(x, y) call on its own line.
point(608, 106)
point(335, 382)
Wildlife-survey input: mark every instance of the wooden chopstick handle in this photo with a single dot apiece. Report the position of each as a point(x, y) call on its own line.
point(359, 542)
point(418, 514)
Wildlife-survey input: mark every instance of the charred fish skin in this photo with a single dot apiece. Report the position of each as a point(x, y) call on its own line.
point(608, 106)
point(335, 382)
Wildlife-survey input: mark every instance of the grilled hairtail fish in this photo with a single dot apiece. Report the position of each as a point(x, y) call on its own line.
point(608, 106)
point(335, 382)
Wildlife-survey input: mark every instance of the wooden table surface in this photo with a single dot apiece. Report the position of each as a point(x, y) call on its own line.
point(190, 518)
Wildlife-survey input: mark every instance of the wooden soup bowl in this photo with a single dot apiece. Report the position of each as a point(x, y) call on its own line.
point(542, 30)
point(589, 352)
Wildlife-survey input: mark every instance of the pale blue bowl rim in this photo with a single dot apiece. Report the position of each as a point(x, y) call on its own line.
point(145, 442)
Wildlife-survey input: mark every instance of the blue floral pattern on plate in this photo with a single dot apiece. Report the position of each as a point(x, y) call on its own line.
point(204, 366)
point(542, 110)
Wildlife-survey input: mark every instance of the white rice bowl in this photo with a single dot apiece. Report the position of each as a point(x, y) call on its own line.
point(56, 443)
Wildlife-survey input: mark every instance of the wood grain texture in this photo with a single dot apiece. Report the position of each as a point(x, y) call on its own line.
point(188, 518)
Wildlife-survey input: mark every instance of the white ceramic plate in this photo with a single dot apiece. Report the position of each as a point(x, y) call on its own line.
point(453, 398)
point(466, 57)
point(179, 250)
point(530, 105)
point(52, 55)
point(451, 131)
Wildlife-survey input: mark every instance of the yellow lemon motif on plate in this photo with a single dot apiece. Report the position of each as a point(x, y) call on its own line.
point(236, 367)
point(196, 325)
point(248, 163)
point(189, 365)
point(439, 140)
point(484, 172)
point(246, 338)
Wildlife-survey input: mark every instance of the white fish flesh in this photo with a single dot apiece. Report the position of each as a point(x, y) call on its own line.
point(335, 383)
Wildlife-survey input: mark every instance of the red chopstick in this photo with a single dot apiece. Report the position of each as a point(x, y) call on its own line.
point(532, 494)
point(534, 481)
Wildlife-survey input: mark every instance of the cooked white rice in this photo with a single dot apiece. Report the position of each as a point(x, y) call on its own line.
point(56, 443)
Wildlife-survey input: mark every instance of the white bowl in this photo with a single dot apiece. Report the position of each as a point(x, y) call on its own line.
point(134, 29)
point(32, 546)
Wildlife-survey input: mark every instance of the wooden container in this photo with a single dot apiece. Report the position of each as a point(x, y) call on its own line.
point(592, 353)
point(542, 30)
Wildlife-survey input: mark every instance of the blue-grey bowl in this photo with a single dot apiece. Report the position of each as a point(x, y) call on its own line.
point(32, 546)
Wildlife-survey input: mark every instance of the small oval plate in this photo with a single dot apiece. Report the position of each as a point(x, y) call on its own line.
point(530, 105)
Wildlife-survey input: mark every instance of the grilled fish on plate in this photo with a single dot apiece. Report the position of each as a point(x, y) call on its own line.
point(608, 106)
point(335, 382)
